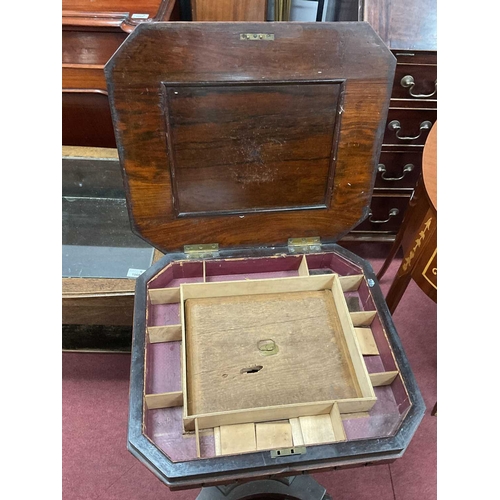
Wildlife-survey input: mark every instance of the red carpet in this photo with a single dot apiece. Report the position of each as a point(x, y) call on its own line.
point(97, 465)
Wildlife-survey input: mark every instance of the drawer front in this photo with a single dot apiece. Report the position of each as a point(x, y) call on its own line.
point(90, 47)
point(86, 120)
point(408, 127)
point(415, 82)
point(387, 214)
point(415, 57)
point(398, 169)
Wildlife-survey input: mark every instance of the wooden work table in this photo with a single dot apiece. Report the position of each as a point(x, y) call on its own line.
point(418, 233)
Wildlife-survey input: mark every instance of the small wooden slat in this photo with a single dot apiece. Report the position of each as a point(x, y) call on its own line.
point(163, 400)
point(356, 405)
point(317, 429)
point(303, 268)
point(361, 373)
point(238, 438)
point(184, 359)
point(272, 435)
point(257, 287)
point(265, 414)
point(298, 440)
point(197, 436)
point(167, 333)
point(383, 378)
point(217, 444)
point(89, 152)
point(164, 295)
point(363, 318)
point(204, 272)
point(337, 425)
point(350, 283)
point(366, 341)
point(359, 414)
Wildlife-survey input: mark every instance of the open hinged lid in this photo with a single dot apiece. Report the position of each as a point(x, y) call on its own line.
point(248, 134)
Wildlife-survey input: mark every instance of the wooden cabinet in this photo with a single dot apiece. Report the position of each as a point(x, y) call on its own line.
point(229, 10)
point(408, 28)
point(91, 33)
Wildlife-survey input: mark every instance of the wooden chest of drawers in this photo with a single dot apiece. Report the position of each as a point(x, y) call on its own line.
point(408, 28)
point(91, 33)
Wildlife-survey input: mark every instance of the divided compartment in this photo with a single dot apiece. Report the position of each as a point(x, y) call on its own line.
point(276, 426)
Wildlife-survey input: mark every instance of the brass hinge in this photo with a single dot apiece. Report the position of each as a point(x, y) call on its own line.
point(286, 452)
point(201, 251)
point(302, 245)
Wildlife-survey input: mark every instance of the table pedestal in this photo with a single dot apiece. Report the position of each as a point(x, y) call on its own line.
point(301, 487)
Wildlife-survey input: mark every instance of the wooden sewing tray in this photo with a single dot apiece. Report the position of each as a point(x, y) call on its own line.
point(260, 346)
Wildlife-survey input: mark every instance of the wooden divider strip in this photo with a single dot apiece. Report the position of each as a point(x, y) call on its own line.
point(163, 400)
point(217, 443)
point(350, 283)
point(257, 287)
point(303, 268)
point(358, 365)
point(164, 295)
point(383, 378)
point(265, 414)
point(297, 437)
point(363, 318)
point(338, 426)
point(167, 333)
point(197, 436)
point(366, 341)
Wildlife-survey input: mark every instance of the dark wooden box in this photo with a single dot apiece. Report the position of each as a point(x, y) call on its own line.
point(260, 346)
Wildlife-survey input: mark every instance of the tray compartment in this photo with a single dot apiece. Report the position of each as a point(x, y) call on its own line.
point(359, 397)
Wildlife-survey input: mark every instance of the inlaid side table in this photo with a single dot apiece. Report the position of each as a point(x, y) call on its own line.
point(418, 233)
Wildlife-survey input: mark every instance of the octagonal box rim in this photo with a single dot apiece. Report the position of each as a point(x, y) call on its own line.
point(193, 473)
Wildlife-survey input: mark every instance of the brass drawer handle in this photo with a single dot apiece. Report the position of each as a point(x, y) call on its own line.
point(392, 213)
point(408, 82)
point(394, 125)
point(407, 168)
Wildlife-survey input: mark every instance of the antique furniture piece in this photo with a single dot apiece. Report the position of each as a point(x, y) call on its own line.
point(261, 348)
point(409, 29)
point(91, 32)
point(418, 233)
point(229, 10)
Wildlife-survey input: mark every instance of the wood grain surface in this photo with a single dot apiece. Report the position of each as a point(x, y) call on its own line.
point(236, 163)
point(229, 10)
point(404, 24)
point(429, 166)
point(227, 371)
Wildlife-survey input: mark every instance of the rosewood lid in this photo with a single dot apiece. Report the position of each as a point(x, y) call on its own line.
point(247, 134)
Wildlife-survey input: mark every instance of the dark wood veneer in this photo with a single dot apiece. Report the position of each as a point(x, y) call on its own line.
point(215, 54)
point(239, 148)
point(404, 24)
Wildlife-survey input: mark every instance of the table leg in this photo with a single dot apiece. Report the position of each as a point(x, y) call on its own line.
point(398, 288)
point(393, 251)
point(408, 227)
